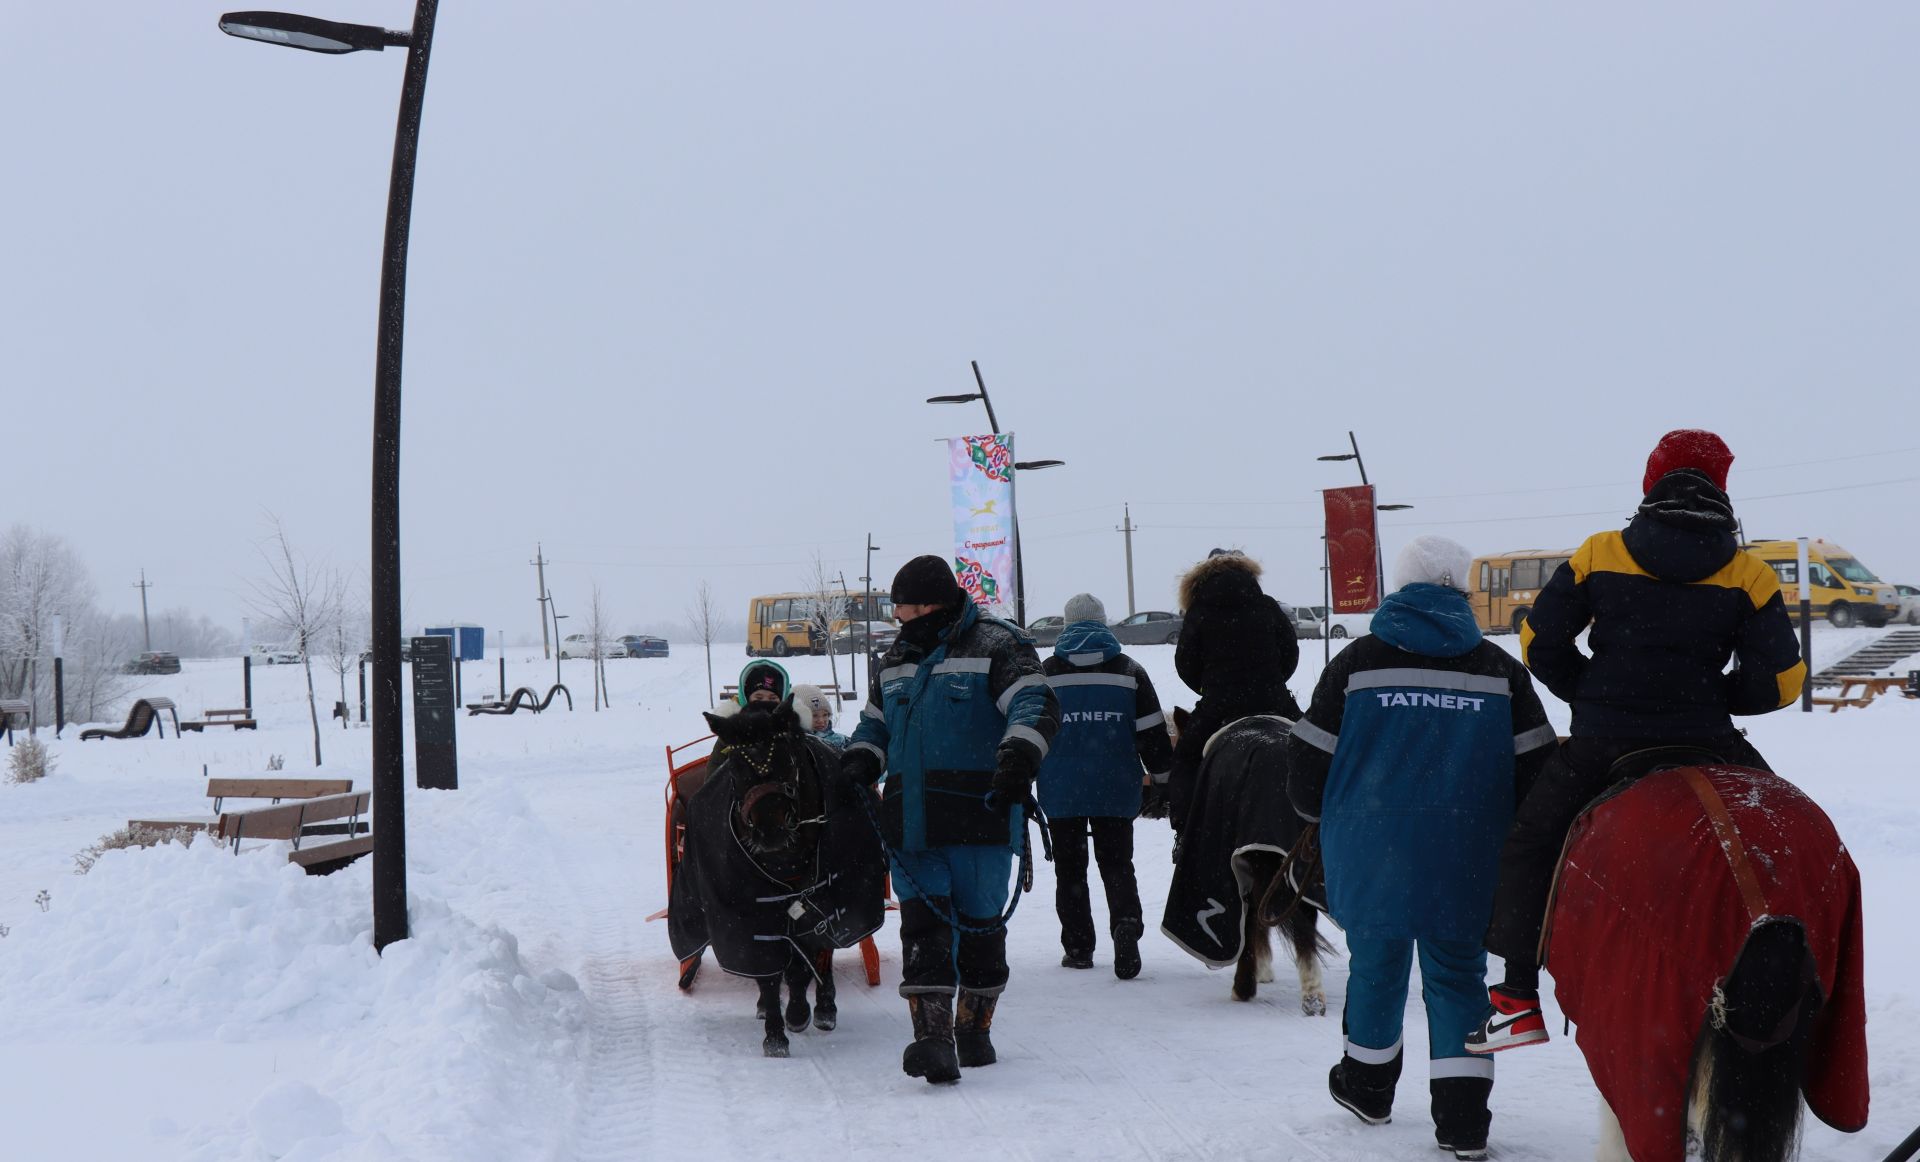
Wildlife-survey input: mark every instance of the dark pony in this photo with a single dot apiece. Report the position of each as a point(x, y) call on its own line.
point(774, 774)
point(1276, 867)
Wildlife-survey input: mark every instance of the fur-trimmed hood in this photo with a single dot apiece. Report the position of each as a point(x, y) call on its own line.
point(1228, 575)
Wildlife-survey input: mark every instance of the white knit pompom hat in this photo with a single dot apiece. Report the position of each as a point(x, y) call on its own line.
point(1433, 561)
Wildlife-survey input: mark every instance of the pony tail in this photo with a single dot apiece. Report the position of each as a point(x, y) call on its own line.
point(1752, 1090)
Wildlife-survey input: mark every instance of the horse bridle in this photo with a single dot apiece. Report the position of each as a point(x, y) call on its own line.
point(759, 792)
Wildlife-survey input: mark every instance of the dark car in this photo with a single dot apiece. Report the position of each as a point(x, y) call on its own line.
point(1046, 630)
point(153, 662)
point(854, 636)
point(1155, 627)
point(642, 646)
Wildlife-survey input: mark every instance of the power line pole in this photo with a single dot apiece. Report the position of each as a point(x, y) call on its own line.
point(1129, 528)
point(146, 632)
point(540, 562)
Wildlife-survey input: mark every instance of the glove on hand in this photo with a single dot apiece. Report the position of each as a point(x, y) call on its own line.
point(1153, 801)
point(1012, 777)
point(859, 767)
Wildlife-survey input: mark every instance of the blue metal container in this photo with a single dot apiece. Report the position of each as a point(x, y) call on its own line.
point(469, 641)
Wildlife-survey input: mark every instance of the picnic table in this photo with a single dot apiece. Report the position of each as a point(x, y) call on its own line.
point(1870, 687)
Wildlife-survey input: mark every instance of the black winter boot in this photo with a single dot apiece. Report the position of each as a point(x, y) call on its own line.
point(1365, 1090)
point(1460, 1115)
point(932, 1053)
point(1126, 948)
point(972, 1026)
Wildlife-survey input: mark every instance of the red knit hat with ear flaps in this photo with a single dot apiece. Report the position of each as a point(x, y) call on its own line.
point(1694, 448)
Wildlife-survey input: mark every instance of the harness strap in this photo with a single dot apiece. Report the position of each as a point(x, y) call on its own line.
point(1729, 837)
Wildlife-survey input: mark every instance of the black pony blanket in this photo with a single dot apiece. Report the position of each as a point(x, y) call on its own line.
point(1239, 807)
point(722, 899)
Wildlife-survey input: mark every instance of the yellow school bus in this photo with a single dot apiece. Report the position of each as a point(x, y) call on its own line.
point(1505, 585)
point(779, 624)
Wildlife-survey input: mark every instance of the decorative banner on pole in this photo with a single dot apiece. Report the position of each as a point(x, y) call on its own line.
point(980, 469)
point(1353, 552)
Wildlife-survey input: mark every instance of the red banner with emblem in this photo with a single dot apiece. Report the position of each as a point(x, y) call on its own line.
point(1353, 549)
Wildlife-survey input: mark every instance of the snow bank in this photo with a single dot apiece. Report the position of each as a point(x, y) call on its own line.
point(446, 1046)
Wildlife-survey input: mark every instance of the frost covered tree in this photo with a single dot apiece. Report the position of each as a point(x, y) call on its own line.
point(343, 640)
point(599, 636)
point(41, 578)
point(704, 616)
point(302, 599)
point(827, 608)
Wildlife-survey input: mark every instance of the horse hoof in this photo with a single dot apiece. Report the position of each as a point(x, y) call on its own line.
point(773, 1048)
point(825, 1019)
point(797, 1014)
point(1313, 1006)
point(1240, 996)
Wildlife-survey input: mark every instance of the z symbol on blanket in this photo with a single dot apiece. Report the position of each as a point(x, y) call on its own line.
point(1204, 915)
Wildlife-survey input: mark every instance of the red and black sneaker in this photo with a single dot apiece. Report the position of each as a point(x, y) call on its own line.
point(1511, 1022)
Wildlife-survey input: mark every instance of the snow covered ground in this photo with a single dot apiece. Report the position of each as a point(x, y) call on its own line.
point(190, 1003)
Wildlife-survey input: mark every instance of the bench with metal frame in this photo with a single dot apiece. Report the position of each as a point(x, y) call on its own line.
point(144, 716)
point(318, 805)
point(241, 719)
point(14, 711)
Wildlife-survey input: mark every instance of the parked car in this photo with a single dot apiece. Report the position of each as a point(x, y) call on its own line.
point(153, 662)
point(850, 639)
point(1046, 630)
point(1310, 621)
point(366, 655)
point(580, 645)
point(1909, 605)
point(641, 646)
point(265, 655)
point(1155, 627)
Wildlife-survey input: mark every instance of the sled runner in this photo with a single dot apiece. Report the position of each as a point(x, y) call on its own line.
point(684, 780)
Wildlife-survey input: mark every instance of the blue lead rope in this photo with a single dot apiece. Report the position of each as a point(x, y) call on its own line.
point(1023, 885)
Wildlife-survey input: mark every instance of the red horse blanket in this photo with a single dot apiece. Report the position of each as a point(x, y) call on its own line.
point(1649, 914)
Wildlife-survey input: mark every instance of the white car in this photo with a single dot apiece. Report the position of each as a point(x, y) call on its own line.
point(274, 655)
point(1909, 605)
point(580, 645)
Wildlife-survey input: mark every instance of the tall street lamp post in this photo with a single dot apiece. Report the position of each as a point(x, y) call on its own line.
point(1019, 551)
point(1326, 550)
point(389, 745)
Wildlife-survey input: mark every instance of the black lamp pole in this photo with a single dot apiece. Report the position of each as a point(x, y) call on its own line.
point(866, 609)
point(389, 744)
point(1019, 551)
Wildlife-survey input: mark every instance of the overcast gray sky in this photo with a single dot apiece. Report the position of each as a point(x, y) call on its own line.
point(682, 274)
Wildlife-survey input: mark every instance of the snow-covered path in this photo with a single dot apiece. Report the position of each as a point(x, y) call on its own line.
point(217, 1007)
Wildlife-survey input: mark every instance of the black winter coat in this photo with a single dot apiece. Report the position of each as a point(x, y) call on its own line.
point(1237, 647)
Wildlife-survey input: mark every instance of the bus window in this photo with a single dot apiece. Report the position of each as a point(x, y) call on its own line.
point(1526, 573)
point(1497, 587)
point(1787, 571)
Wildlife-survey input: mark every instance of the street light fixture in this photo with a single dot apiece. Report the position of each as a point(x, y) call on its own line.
point(310, 33)
point(993, 422)
point(389, 744)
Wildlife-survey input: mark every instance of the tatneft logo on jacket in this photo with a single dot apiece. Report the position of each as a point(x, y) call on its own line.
point(1443, 701)
point(1092, 716)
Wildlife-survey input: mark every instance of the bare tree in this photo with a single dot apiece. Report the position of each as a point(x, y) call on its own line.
point(599, 635)
point(344, 639)
point(827, 609)
point(42, 578)
point(303, 600)
point(704, 616)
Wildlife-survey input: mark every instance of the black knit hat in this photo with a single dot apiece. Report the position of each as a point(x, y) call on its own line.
point(926, 580)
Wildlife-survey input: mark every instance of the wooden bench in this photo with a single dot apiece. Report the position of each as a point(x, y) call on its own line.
point(1870, 688)
point(731, 690)
point(14, 712)
point(318, 804)
point(241, 719)
point(144, 716)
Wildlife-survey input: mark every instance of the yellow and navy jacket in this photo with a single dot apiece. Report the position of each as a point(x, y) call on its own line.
point(1670, 600)
point(1420, 742)
point(938, 719)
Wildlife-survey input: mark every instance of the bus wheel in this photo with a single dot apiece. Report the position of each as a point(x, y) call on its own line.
point(1840, 615)
point(1875, 617)
point(1520, 618)
point(780, 647)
